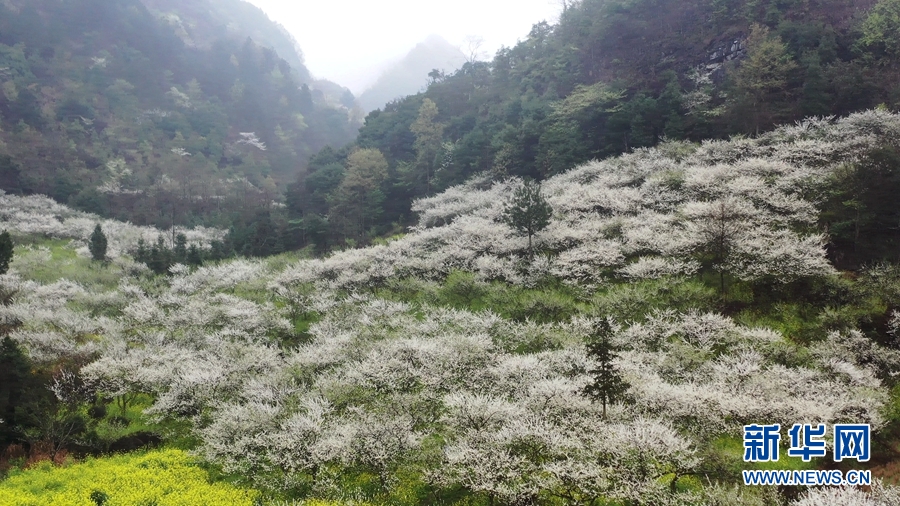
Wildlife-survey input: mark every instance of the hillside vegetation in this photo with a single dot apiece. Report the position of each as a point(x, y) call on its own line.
point(159, 113)
point(610, 77)
point(449, 365)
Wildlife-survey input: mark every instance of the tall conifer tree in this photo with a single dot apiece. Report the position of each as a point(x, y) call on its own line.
point(98, 244)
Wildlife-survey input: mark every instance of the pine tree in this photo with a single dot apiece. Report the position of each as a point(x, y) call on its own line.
point(180, 251)
point(160, 256)
point(6, 251)
point(97, 244)
point(607, 385)
point(142, 254)
point(527, 211)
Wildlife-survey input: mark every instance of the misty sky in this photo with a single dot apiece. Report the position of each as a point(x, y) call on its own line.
point(348, 41)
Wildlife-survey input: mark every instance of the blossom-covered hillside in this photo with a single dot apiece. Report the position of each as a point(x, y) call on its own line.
point(749, 208)
point(449, 366)
point(37, 215)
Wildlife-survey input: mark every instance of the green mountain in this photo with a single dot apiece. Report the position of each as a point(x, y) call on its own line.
point(613, 76)
point(199, 23)
point(158, 112)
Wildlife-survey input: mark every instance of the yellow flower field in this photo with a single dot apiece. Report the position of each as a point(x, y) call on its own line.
point(157, 478)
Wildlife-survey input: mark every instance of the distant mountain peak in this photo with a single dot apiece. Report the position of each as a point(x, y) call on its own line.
point(409, 75)
point(435, 39)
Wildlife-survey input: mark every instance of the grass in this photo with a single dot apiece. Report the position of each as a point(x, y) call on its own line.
point(628, 302)
point(553, 302)
point(725, 456)
point(116, 425)
point(50, 260)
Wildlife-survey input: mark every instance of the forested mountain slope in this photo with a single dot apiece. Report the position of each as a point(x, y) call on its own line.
point(157, 112)
point(613, 76)
point(202, 22)
point(454, 364)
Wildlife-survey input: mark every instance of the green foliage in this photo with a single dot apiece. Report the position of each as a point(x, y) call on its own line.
point(542, 306)
point(16, 385)
point(527, 211)
point(815, 98)
point(880, 28)
point(462, 290)
point(762, 84)
point(6, 251)
point(356, 202)
point(860, 211)
point(606, 385)
point(429, 137)
point(159, 257)
point(10, 175)
point(614, 76)
point(97, 244)
point(632, 302)
point(49, 260)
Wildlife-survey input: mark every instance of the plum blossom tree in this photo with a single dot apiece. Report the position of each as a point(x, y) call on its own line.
point(879, 495)
point(718, 226)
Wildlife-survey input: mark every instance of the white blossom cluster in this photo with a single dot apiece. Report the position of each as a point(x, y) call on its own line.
point(251, 139)
point(376, 379)
point(42, 216)
point(47, 325)
point(375, 383)
point(894, 325)
point(880, 495)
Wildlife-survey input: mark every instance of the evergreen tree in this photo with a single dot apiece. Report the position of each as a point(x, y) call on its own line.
point(528, 212)
point(160, 256)
point(815, 99)
point(762, 82)
point(194, 256)
point(180, 252)
point(142, 254)
point(15, 383)
point(97, 244)
point(607, 385)
point(6, 251)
